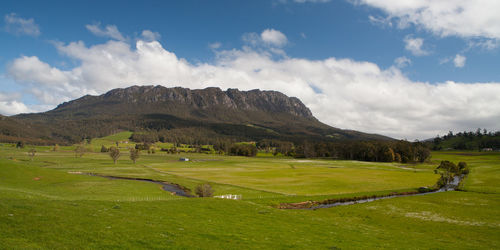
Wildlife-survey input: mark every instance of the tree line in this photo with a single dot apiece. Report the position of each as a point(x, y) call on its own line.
point(481, 139)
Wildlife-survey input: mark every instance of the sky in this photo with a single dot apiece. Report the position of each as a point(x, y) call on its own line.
point(409, 69)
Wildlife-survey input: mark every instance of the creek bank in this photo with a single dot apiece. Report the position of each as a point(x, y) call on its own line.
point(451, 186)
point(173, 188)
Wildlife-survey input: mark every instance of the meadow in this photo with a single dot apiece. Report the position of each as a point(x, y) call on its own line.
point(45, 203)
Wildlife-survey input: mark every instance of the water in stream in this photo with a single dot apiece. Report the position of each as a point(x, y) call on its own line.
point(448, 187)
point(169, 187)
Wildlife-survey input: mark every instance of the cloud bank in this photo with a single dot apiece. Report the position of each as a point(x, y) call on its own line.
point(462, 18)
point(340, 92)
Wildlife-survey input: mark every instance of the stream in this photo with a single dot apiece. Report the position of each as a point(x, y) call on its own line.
point(175, 189)
point(451, 186)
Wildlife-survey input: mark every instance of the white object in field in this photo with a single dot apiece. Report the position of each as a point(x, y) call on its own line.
point(229, 196)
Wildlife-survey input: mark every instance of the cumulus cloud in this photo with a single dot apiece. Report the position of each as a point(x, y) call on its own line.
point(340, 92)
point(268, 38)
point(149, 35)
point(460, 18)
point(110, 31)
point(10, 104)
point(274, 37)
point(21, 26)
point(402, 62)
point(459, 61)
point(414, 45)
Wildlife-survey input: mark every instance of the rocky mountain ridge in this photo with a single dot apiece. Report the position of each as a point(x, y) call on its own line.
point(209, 113)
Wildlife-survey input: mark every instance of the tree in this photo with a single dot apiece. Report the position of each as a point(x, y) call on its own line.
point(423, 154)
point(55, 148)
point(386, 154)
point(32, 153)
point(204, 190)
point(104, 149)
point(462, 168)
point(114, 153)
point(79, 150)
point(134, 154)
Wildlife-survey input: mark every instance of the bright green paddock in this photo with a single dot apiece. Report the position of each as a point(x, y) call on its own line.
point(45, 204)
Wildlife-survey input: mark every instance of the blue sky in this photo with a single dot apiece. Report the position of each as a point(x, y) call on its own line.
point(401, 68)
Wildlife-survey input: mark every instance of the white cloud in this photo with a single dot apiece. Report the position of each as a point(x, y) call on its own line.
point(380, 21)
point(21, 26)
point(303, 1)
point(402, 62)
point(311, 1)
point(149, 35)
point(462, 18)
point(215, 45)
point(341, 92)
point(110, 31)
point(414, 45)
point(487, 44)
point(459, 61)
point(10, 104)
point(274, 37)
point(268, 38)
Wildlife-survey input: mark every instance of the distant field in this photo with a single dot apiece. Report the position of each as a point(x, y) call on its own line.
point(42, 205)
point(301, 177)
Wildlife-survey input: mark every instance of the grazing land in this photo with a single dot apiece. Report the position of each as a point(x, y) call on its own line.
point(47, 203)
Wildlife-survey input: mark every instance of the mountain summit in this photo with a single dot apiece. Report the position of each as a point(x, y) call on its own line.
point(186, 102)
point(211, 112)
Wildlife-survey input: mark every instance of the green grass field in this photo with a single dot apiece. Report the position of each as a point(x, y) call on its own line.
point(44, 204)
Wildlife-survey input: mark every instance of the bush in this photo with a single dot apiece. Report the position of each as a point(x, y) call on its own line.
point(144, 146)
point(204, 190)
point(243, 150)
point(104, 149)
point(463, 168)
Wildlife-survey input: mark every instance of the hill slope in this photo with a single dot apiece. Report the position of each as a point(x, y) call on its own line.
point(242, 115)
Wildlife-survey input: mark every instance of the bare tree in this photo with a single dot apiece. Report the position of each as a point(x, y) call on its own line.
point(134, 154)
point(114, 153)
point(32, 153)
point(79, 150)
point(204, 190)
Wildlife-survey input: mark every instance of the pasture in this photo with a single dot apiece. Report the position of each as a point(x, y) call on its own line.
point(45, 203)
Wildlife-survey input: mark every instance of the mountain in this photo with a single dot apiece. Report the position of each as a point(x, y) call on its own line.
point(210, 112)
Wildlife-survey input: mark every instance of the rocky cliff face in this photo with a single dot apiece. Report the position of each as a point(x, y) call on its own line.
point(203, 99)
point(239, 115)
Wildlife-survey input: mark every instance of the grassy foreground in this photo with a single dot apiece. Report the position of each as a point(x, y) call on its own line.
point(43, 205)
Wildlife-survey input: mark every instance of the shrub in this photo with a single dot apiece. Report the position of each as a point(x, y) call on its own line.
point(79, 150)
point(204, 190)
point(463, 168)
point(104, 149)
point(32, 153)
